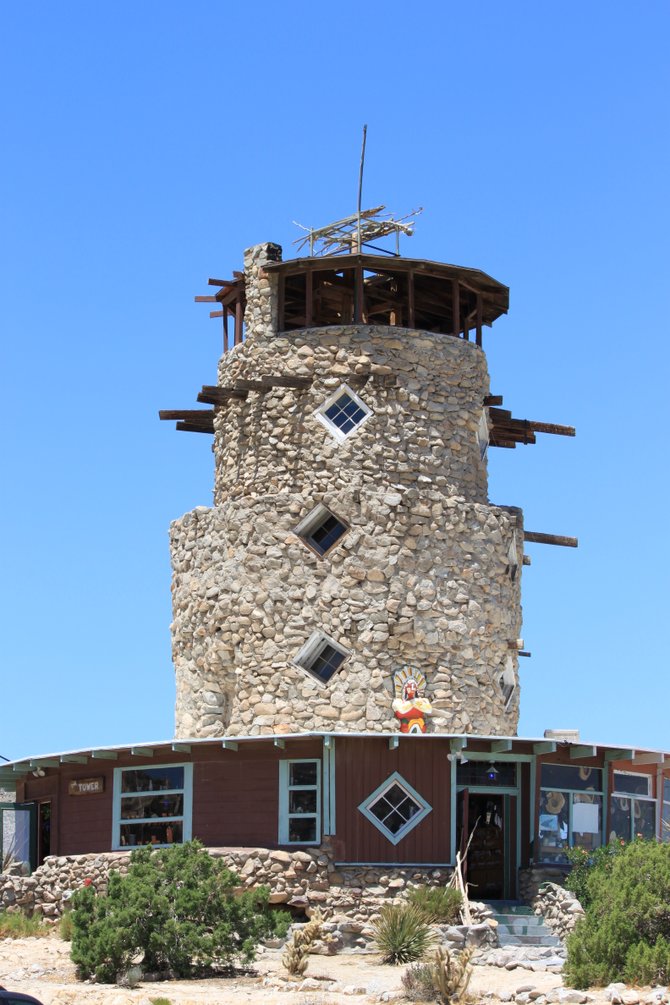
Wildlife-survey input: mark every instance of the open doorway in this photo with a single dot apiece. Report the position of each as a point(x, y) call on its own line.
point(486, 826)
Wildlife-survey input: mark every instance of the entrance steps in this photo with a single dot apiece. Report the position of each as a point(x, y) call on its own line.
point(519, 926)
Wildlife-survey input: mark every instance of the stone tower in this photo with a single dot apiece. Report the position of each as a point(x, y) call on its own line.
point(351, 535)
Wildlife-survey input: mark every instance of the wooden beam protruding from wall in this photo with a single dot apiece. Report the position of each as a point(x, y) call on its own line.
point(537, 538)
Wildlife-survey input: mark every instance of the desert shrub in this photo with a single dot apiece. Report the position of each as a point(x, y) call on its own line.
point(437, 903)
point(16, 925)
point(65, 927)
point(445, 980)
point(625, 932)
point(175, 912)
point(160, 1001)
point(402, 933)
point(295, 956)
point(584, 862)
point(649, 964)
point(281, 922)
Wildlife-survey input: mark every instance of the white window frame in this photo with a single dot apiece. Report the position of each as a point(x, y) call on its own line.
point(312, 522)
point(395, 779)
point(312, 649)
point(186, 819)
point(285, 788)
point(334, 430)
point(483, 434)
point(642, 797)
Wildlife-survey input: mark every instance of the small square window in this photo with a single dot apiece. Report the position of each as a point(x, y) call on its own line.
point(395, 808)
point(343, 413)
point(321, 530)
point(321, 656)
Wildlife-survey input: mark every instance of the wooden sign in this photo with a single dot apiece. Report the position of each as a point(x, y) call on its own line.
point(87, 786)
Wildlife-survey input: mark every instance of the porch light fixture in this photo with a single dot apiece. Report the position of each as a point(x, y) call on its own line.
point(492, 773)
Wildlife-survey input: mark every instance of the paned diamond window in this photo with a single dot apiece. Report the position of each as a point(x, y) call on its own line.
point(321, 530)
point(343, 413)
point(395, 808)
point(321, 656)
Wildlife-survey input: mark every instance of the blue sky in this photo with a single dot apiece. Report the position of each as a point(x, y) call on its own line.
point(146, 145)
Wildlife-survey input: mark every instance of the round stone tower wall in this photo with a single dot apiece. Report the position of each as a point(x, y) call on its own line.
point(422, 577)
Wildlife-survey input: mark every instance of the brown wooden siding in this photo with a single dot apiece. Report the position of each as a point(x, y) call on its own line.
point(235, 795)
point(362, 765)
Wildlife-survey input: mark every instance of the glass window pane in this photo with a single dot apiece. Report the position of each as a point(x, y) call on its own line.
point(302, 801)
point(152, 779)
point(303, 773)
point(302, 829)
point(159, 832)
point(644, 818)
point(665, 821)
point(636, 785)
point(325, 536)
point(553, 830)
point(620, 812)
point(138, 807)
point(567, 776)
point(481, 773)
point(586, 821)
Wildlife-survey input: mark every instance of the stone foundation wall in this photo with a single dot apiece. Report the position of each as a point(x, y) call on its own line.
point(299, 880)
point(420, 579)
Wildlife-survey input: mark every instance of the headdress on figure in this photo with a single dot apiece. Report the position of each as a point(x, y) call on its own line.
point(409, 705)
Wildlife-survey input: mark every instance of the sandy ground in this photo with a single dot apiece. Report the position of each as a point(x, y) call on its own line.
point(42, 967)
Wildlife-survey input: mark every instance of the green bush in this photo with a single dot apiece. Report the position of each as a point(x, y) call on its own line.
point(402, 933)
point(625, 932)
point(583, 862)
point(437, 903)
point(175, 912)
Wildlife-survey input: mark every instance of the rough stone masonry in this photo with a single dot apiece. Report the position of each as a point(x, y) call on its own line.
point(422, 577)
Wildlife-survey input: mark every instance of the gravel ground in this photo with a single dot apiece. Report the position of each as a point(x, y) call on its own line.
point(42, 967)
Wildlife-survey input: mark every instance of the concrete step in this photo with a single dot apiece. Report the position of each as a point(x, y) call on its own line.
point(519, 926)
point(548, 940)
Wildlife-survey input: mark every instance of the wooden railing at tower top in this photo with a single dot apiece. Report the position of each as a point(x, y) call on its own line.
point(231, 297)
point(367, 289)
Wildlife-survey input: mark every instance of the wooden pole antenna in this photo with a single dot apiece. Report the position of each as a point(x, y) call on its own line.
point(359, 243)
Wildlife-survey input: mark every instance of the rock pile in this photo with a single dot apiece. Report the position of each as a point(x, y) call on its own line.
point(559, 907)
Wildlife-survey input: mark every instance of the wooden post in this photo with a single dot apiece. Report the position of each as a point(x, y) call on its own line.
point(479, 320)
point(309, 298)
point(281, 293)
point(225, 328)
point(456, 307)
point(410, 299)
point(239, 317)
point(358, 301)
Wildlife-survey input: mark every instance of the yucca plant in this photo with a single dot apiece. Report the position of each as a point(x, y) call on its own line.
point(402, 933)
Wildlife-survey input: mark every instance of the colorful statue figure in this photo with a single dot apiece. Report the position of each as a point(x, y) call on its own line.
point(409, 705)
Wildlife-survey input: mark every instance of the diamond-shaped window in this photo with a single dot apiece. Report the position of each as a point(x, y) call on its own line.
point(395, 808)
point(321, 530)
point(343, 413)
